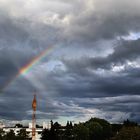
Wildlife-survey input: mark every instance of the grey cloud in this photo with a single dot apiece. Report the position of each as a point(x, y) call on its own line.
point(106, 20)
point(126, 51)
point(23, 36)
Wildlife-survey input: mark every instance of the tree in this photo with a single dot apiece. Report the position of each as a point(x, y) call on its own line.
point(116, 128)
point(44, 134)
point(70, 125)
point(129, 123)
point(10, 136)
point(95, 130)
point(81, 132)
point(128, 133)
point(51, 123)
point(68, 132)
point(56, 125)
point(1, 134)
point(49, 134)
point(38, 126)
point(22, 135)
point(100, 129)
point(18, 125)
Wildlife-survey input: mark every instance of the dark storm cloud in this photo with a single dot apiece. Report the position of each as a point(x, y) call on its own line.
point(91, 85)
point(11, 32)
point(106, 20)
point(12, 37)
point(118, 103)
point(85, 83)
point(125, 51)
point(17, 46)
point(109, 106)
point(10, 63)
point(84, 79)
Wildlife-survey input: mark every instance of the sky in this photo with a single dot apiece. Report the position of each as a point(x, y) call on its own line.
point(80, 57)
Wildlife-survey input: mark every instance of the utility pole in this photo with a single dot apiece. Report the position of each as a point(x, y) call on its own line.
point(34, 104)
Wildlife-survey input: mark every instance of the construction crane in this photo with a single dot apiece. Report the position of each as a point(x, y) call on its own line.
point(34, 104)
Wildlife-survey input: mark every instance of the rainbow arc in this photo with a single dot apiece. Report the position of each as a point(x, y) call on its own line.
point(28, 67)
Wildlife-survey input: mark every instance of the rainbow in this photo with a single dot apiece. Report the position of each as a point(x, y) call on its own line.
point(26, 68)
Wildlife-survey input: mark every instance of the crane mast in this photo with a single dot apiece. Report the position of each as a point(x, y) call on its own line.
point(34, 104)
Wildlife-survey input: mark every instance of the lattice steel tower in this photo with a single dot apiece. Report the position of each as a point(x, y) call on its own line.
point(34, 104)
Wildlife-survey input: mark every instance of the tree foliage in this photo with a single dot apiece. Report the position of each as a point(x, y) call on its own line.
point(81, 132)
point(97, 129)
point(128, 133)
point(10, 135)
point(22, 135)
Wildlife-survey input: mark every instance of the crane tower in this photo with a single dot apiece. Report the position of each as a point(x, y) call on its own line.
point(34, 104)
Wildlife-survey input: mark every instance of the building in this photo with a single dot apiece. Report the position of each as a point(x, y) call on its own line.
point(28, 130)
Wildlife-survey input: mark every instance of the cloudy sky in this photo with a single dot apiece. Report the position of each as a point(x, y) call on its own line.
point(92, 68)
